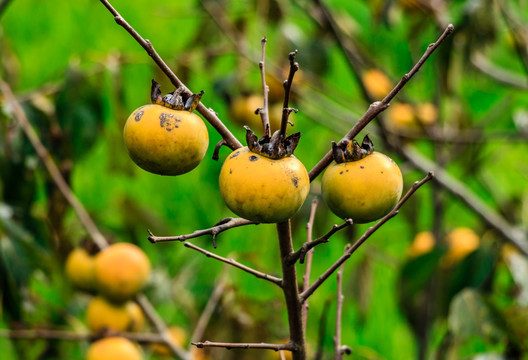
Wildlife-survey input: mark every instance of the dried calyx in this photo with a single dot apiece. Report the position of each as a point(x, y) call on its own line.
point(176, 100)
point(348, 150)
point(274, 147)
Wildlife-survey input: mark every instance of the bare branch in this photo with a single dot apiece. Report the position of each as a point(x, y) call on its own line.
point(160, 326)
point(264, 112)
point(209, 115)
point(301, 253)
point(379, 106)
point(309, 256)
point(286, 110)
point(236, 264)
point(222, 225)
point(511, 233)
point(209, 307)
point(58, 179)
point(307, 292)
point(229, 346)
point(291, 291)
point(338, 349)
point(49, 334)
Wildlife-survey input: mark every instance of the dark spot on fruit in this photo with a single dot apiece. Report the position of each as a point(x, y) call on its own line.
point(340, 173)
point(230, 171)
point(235, 155)
point(138, 116)
point(347, 170)
point(168, 121)
point(295, 181)
point(382, 172)
point(361, 166)
point(253, 158)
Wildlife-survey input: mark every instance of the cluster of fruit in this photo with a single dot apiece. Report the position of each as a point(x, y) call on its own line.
point(401, 116)
point(460, 242)
point(263, 181)
point(114, 275)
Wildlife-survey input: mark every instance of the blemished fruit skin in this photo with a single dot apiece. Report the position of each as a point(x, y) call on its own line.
point(102, 314)
point(363, 190)
point(165, 141)
point(121, 271)
point(113, 348)
point(80, 269)
point(262, 189)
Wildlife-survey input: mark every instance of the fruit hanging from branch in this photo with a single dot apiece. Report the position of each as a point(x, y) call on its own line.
point(361, 184)
point(264, 182)
point(166, 137)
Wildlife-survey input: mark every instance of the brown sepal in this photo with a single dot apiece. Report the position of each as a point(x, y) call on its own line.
point(274, 147)
point(348, 150)
point(176, 100)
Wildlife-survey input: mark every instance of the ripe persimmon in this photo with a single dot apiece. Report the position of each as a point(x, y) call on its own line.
point(114, 348)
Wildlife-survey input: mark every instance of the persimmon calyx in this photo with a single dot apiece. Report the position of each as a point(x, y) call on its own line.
point(274, 147)
point(175, 100)
point(347, 150)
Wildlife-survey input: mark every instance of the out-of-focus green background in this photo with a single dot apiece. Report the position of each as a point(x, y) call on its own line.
point(79, 76)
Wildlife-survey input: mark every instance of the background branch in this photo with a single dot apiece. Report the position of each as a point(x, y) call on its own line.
point(230, 346)
point(309, 256)
point(48, 334)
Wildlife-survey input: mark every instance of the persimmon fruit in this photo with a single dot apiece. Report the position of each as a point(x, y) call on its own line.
point(114, 348)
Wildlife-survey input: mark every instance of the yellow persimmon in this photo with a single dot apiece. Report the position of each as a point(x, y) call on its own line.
point(80, 269)
point(121, 270)
point(423, 243)
point(363, 190)
point(261, 189)
point(461, 242)
point(113, 348)
point(165, 141)
point(102, 314)
point(377, 84)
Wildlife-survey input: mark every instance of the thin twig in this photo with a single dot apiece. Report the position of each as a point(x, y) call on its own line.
point(307, 246)
point(236, 264)
point(215, 297)
point(339, 349)
point(49, 334)
point(222, 225)
point(511, 233)
point(499, 74)
point(207, 113)
point(379, 106)
point(160, 326)
point(264, 112)
point(309, 256)
point(286, 110)
point(307, 292)
point(229, 346)
point(58, 179)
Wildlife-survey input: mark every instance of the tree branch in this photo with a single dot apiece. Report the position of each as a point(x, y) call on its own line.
point(309, 256)
point(222, 225)
point(511, 233)
point(307, 246)
point(208, 114)
point(236, 264)
point(229, 346)
point(339, 350)
point(49, 334)
point(307, 292)
point(291, 292)
point(286, 110)
point(379, 106)
point(264, 112)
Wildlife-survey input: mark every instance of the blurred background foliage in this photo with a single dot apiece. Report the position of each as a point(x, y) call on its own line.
point(79, 76)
